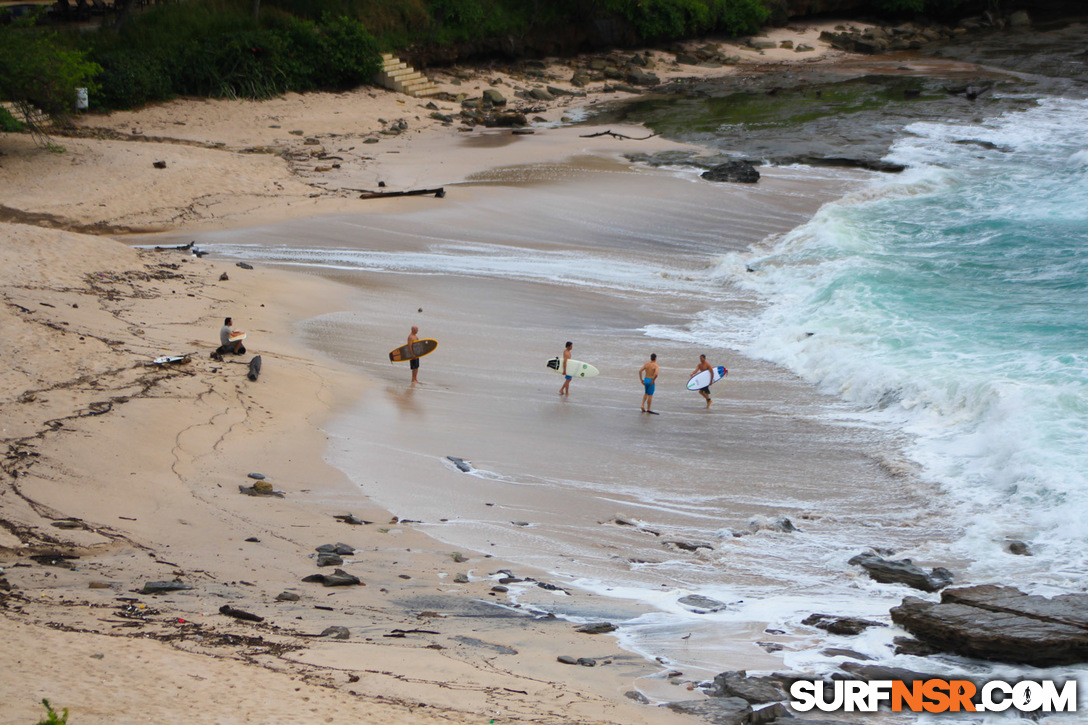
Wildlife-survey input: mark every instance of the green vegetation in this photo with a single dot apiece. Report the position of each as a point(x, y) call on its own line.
point(901, 7)
point(9, 123)
point(203, 49)
point(37, 70)
point(51, 716)
point(670, 19)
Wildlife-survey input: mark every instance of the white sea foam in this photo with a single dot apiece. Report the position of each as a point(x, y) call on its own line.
point(484, 260)
point(994, 398)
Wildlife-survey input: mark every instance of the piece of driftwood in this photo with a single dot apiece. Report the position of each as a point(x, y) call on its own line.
point(254, 368)
point(242, 614)
point(181, 247)
point(438, 193)
point(618, 135)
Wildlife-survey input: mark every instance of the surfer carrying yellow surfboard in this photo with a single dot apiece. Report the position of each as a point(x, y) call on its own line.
point(413, 337)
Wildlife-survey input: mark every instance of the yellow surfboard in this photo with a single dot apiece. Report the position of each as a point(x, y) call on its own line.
point(419, 348)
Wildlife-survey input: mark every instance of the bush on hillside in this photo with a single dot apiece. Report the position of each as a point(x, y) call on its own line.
point(198, 50)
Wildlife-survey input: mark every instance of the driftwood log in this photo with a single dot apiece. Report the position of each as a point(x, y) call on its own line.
point(617, 135)
point(254, 368)
point(439, 193)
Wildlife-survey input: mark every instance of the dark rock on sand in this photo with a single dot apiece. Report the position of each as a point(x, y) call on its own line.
point(597, 628)
point(336, 633)
point(637, 697)
point(164, 587)
point(461, 463)
point(754, 690)
point(840, 625)
point(1001, 623)
point(566, 660)
point(287, 597)
point(329, 559)
point(337, 548)
point(587, 662)
point(351, 519)
point(339, 578)
point(742, 172)
point(902, 571)
point(260, 488)
point(700, 604)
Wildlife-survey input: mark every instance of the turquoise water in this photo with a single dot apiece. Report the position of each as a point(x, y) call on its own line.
point(951, 302)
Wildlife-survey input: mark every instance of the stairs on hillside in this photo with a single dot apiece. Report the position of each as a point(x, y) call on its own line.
point(396, 75)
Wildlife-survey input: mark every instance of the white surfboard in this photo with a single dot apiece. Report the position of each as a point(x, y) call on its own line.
point(575, 368)
point(706, 378)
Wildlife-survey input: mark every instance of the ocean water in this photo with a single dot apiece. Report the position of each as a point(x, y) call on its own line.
point(950, 302)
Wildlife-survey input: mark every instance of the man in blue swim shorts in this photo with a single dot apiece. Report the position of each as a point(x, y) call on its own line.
point(648, 375)
point(564, 389)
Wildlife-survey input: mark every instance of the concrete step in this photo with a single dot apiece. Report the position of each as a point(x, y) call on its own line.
point(398, 76)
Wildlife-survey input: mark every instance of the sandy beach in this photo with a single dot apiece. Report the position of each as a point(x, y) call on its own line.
point(119, 472)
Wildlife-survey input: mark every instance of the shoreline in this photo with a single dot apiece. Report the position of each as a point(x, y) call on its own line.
point(147, 460)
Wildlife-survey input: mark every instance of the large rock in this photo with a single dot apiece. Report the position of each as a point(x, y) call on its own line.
point(494, 97)
point(642, 78)
point(737, 171)
point(339, 578)
point(755, 690)
point(717, 710)
point(1001, 623)
point(902, 571)
point(840, 625)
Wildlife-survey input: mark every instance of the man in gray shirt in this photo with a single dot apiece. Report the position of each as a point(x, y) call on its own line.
point(234, 346)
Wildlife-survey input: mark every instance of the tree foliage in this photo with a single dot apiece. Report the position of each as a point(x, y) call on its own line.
point(38, 71)
point(202, 49)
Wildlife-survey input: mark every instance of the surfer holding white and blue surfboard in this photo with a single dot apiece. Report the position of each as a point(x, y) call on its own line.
point(704, 376)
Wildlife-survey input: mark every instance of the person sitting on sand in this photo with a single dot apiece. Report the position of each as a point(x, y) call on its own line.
point(648, 375)
point(225, 343)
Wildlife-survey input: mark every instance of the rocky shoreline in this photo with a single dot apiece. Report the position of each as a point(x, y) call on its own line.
point(848, 114)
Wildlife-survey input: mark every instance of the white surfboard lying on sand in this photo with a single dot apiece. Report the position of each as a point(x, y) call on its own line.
point(575, 368)
point(706, 378)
